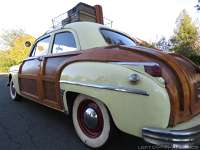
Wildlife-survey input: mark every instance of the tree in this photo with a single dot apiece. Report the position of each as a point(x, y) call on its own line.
point(185, 36)
point(19, 51)
point(7, 37)
point(15, 50)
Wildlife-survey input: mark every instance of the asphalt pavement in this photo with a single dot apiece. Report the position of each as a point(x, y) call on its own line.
point(26, 125)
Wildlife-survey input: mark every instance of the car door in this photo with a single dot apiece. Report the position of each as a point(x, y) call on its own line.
point(30, 71)
point(64, 45)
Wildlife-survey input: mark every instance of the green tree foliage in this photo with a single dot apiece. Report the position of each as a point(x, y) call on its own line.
point(15, 50)
point(186, 39)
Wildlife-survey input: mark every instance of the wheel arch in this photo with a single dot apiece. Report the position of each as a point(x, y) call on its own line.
point(71, 96)
point(9, 78)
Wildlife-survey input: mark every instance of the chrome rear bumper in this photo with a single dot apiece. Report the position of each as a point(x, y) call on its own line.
point(181, 139)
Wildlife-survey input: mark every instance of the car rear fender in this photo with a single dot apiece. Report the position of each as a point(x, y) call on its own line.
point(132, 105)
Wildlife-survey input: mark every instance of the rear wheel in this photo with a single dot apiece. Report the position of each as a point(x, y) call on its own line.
point(13, 93)
point(91, 121)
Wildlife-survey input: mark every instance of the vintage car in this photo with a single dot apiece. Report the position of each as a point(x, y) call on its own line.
point(105, 80)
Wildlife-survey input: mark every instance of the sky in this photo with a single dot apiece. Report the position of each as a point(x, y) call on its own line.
point(146, 19)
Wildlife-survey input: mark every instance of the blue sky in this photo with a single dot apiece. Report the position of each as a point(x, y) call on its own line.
point(145, 19)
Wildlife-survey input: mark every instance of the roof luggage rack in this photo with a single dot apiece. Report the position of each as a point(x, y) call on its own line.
point(81, 12)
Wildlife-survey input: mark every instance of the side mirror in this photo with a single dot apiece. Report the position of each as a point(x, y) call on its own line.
point(27, 44)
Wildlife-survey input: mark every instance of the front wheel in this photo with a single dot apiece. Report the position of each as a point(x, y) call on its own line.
point(91, 121)
point(13, 93)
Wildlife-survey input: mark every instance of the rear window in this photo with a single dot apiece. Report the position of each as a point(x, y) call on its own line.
point(116, 38)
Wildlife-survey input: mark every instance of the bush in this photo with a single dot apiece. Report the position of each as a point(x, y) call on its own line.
point(195, 59)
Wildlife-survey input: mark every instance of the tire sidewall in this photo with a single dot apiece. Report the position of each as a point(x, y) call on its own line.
point(12, 95)
point(104, 136)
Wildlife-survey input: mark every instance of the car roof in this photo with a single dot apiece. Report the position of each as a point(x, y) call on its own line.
point(88, 33)
point(76, 26)
point(88, 25)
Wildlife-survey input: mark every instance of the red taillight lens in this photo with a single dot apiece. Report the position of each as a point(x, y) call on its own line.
point(153, 70)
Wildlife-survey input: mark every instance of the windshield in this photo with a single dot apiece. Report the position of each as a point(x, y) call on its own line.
point(116, 38)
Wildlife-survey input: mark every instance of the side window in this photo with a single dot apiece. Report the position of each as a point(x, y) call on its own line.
point(41, 47)
point(64, 42)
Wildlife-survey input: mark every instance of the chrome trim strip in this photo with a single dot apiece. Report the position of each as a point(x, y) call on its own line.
point(13, 71)
point(109, 87)
point(137, 63)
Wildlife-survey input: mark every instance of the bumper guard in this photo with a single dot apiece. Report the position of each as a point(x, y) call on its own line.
point(180, 139)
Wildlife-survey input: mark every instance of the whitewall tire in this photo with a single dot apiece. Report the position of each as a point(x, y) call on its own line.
point(91, 121)
point(13, 93)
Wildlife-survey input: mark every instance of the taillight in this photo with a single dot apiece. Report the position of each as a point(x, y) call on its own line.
point(154, 70)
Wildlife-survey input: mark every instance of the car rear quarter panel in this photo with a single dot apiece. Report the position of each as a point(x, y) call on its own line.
point(130, 112)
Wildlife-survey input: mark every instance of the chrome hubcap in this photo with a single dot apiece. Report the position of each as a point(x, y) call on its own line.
point(90, 118)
